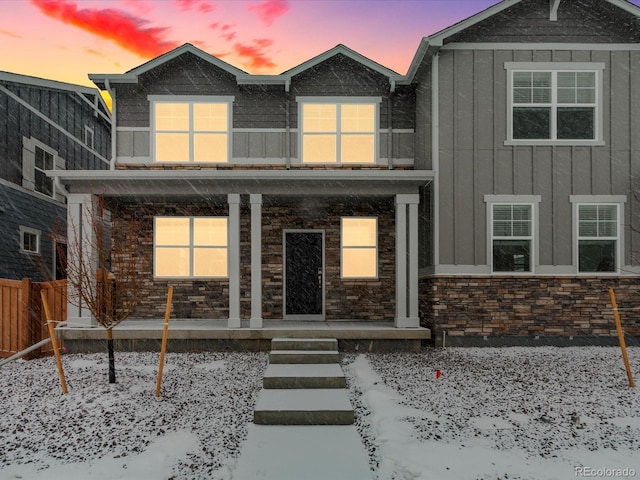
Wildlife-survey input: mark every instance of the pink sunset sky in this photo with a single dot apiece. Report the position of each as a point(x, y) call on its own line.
point(68, 39)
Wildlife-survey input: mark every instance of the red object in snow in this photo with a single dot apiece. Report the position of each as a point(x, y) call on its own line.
point(438, 374)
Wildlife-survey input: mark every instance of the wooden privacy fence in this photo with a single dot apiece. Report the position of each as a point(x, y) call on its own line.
point(22, 318)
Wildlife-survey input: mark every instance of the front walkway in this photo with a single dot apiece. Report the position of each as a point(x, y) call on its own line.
point(318, 452)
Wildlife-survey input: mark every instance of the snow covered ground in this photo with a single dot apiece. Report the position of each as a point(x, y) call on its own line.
point(512, 413)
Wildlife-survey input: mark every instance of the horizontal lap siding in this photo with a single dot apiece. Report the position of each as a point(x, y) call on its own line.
point(474, 160)
point(261, 107)
point(23, 209)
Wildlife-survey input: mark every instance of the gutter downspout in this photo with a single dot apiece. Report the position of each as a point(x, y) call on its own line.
point(392, 90)
point(435, 156)
point(287, 127)
point(112, 163)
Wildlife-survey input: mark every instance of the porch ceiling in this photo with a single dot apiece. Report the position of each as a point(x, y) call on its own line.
point(193, 183)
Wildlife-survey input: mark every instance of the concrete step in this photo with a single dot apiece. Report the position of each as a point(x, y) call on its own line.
point(307, 375)
point(304, 344)
point(304, 356)
point(307, 406)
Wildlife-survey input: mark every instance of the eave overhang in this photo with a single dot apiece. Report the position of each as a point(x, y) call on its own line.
point(171, 184)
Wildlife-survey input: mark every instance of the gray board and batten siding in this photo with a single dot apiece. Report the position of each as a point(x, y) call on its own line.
point(578, 21)
point(259, 112)
point(473, 115)
point(65, 108)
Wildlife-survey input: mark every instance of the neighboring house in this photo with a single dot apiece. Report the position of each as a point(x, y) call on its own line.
point(44, 125)
point(488, 192)
point(529, 113)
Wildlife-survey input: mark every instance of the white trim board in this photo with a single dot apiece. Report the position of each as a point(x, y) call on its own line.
point(38, 113)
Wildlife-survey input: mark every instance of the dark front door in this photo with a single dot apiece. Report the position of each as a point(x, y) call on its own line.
point(304, 276)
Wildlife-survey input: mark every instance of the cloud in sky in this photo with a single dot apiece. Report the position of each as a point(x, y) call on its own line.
point(227, 34)
point(9, 34)
point(200, 5)
point(254, 53)
point(270, 10)
point(125, 30)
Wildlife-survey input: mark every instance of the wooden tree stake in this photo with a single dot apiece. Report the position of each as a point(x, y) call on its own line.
point(54, 340)
point(623, 346)
point(165, 334)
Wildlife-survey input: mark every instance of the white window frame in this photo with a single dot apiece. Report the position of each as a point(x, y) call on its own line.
point(30, 231)
point(191, 248)
point(554, 68)
point(368, 247)
point(338, 101)
point(533, 201)
point(54, 154)
point(617, 200)
point(89, 136)
point(191, 100)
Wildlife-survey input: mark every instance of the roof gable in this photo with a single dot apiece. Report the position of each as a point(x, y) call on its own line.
point(552, 8)
point(347, 52)
point(576, 21)
point(132, 75)
point(621, 17)
point(90, 94)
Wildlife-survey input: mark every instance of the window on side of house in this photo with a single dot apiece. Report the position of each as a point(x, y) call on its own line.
point(512, 237)
point(555, 103)
point(30, 240)
point(598, 237)
point(359, 247)
point(191, 131)
point(190, 247)
point(44, 160)
point(88, 136)
point(342, 132)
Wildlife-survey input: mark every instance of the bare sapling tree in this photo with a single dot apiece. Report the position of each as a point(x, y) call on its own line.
point(104, 267)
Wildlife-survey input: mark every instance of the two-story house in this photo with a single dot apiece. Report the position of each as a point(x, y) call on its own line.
point(283, 197)
point(44, 125)
point(529, 113)
point(487, 193)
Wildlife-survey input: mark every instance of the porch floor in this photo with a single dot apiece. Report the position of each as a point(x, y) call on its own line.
point(203, 333)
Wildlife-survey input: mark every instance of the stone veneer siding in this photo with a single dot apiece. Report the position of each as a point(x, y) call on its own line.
point(528, 306)
point(370, 300)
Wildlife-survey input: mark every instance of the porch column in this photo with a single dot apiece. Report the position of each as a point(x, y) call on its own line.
point(414, 316)
point(234, 260)
point(81, 256)
point(407, 252)
point(256, 260)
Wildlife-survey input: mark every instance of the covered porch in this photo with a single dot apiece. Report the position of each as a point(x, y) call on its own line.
point(248, 289)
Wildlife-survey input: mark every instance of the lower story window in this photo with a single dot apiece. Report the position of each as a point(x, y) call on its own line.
point(359, 245)
point(192, 247)
point(597, 237)
point(512, 237)
point(29, 240)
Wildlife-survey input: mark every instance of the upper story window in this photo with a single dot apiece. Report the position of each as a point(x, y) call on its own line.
point(44, 160)
point(553, 103)
point(37, 158)
point(338, 130)
point(195, 130)
point(599, 232)
point(89, 135)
